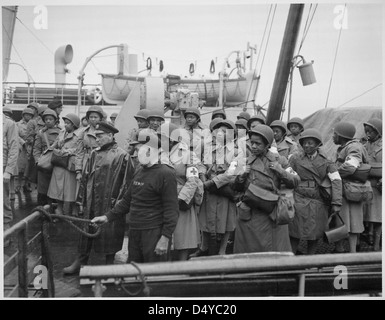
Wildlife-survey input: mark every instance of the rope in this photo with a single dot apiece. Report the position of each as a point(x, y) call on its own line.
point(144, 287)
point(360, 95)
point(307, 26)
point(36, 37)
point(69, 219)
point(334, 62)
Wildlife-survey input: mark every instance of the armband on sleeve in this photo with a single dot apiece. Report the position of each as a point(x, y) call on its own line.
point(334, 176)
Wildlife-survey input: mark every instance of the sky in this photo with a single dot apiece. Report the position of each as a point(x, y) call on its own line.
point(180, 33)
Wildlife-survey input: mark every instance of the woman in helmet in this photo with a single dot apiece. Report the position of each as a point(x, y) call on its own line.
point(87, 140)
point(295, 127)
point(44, 139)
point(311, 207)
point(142, 120)
point(62, 186)
point(24, 150)
point(187, 166)
point(350, 155)
point(197, 130)
point(373, 209)
point(255, 230)
point(218, 209)
point(219, 113)
point(285, 146)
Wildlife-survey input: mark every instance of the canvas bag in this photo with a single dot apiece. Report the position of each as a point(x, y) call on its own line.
point(357, 191)
point(44, 163)
point(60, 159)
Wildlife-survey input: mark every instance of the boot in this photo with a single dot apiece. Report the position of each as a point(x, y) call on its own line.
point(213, 245)
point(75, 266)
point(67, 208)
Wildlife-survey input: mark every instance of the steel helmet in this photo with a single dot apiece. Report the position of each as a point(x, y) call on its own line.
point(73, 118)
point(28, 111)
point(213, 123)
point(156, 113)
point(345, 130)
point(376, 124)
point(265, 132)
point(7, 111)
point(166, 129)
point(228, 123)
point(244, 115)
point(33, 105)
point(258, 117)
point(49, 112)
point(142, 114)
point(310, 133)
point(297, 121)
point(41, 109)
point(241, 122)
point(96, 109)
point(114, 115)
point(218, 111)
point(279, 124)
point(194, 111)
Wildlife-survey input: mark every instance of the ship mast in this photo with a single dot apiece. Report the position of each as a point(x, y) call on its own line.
point(8, 19)
point(289, 41)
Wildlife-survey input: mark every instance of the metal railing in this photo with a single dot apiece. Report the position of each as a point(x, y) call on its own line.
point(280, 269)
point(19, 260)
point(44, 92)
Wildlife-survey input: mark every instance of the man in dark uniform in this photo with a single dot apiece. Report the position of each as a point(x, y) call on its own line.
point(152, 204)
point(110, 170)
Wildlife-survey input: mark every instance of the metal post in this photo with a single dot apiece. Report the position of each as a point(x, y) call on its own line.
point(301, 285)
point(23, 262)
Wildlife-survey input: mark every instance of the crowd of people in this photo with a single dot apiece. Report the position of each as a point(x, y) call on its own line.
point(193, 189)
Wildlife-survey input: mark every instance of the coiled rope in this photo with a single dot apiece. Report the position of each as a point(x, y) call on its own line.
point(144, 287)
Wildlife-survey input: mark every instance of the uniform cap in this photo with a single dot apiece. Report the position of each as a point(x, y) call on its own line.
point(104, 127)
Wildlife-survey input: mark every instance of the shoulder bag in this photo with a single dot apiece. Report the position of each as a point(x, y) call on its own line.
point(60, 159)
point(357, 191)
point(44, 163)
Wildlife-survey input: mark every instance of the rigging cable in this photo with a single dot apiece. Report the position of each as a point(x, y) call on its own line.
point(36, 37)
point(265, 50)
point(360, 94)
point(268, 38)
point(307, 26)
point(335, 58)
point(17, 52)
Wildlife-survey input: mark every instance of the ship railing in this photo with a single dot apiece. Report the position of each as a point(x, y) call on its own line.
point(29, 264)
point(254, 274)
point(44, 92)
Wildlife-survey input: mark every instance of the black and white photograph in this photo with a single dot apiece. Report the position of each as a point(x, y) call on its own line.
point(192, 150)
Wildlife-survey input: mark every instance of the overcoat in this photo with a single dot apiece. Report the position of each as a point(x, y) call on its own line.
point(62, 186)
point(187, 231)
point(373, 209)
point(217, 213)
point(40, 145)
point(311, 209)
point(349, 157)
point(24, 149)
point(109, 172)
point(255, 230)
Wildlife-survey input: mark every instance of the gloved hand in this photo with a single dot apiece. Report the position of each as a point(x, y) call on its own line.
point(78, 176)
point(335, 209)
point(183, 206)
point(209, 185)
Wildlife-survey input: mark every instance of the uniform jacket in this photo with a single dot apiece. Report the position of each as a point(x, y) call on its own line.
point(350, 156)
point(33, 127)
point(287, 147)
point(87, 143)
point(257, 232)
point(10, 145)
point(311, 210)
point(40, 144)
